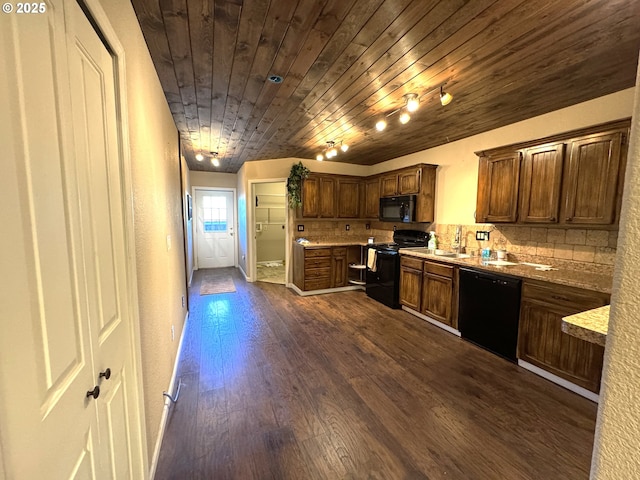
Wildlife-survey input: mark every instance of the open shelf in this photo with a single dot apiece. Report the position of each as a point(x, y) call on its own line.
point(357, 266)
point(357, 282)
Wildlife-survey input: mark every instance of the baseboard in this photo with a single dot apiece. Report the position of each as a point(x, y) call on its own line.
point(583, 392)
point(167, 403)
point(307, 293)
point(431, 320)
point(246, 277)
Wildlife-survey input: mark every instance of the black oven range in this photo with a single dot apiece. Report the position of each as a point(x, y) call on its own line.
point(383, 266)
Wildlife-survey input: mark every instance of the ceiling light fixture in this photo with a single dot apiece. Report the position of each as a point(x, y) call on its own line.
point(411, 104)
point(199, 157)
point(331, 151)
point(445, 97)
point(214, 160)
point(381, 125)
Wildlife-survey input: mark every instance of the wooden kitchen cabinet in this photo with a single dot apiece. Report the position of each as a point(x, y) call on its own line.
point(371, 198)
point(438, 292)
point(575, 178)
point(411, 282)
point(318, 196)
point(389, 185)
point(592, 177)
point(541, 341)
point(541, 180)
point(348, 204)
point(401, 182)
point(338, 267)
point(498, 181)
point(319, 268)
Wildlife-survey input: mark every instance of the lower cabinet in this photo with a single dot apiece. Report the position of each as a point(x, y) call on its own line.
point(411, 282)
point(319, 268)
point(438, 289)
point(429, 288)
point(542, 342)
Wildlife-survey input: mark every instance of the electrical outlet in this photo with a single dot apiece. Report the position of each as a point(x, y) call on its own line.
point(367, 226)
point(347, 227)
point(301, 228)
point(183, 304)
point(173, 333)
point(482, 235)
point(394, 228)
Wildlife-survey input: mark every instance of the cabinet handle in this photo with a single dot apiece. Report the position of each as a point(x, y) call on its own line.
point(106, 374)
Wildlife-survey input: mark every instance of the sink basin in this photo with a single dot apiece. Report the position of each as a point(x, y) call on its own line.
point(440, 253)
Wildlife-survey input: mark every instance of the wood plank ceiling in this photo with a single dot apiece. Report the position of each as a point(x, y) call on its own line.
point(348, 63)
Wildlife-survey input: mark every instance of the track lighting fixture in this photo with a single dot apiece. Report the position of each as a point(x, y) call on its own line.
point(411, 104)
point(199, 157)
point(214, 159)
point(331, 150)
point(445, 97)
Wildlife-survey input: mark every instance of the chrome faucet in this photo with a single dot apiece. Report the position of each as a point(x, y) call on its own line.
point(456, 241)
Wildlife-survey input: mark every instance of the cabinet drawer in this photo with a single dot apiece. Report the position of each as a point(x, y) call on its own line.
point(317, 283)
point(317, 252)
point(317, 272)
point(409, 262)
point(438, 269)
point(319, 262)
point(564, 296)
point(339, 251)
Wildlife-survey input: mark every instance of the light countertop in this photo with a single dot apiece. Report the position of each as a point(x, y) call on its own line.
point(591, 325)
point(571, 278)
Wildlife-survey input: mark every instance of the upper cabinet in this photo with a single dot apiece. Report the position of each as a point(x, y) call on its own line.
point(498, 187)
point(341, 196)
point(401, 182)
point(318, 196)
point(591, 184)
point(541, 176)
point(371, 197)
point(570, 179)
point(348, 205)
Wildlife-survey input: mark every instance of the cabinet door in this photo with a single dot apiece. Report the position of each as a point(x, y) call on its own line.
point(410, 287)
point(437, 292)
point(541, 180)
point(592, 179)
point(327, 197)
point(498, 179)
point(409, 182)
point(389, 185)
point(348, 198)
point(542, 343)
point(310, 197)
point(372, 198)
point(339, 268)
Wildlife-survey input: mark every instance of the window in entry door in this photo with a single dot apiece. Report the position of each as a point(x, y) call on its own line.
point(214, 214)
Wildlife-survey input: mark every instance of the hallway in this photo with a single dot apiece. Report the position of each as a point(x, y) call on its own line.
point(335, 386)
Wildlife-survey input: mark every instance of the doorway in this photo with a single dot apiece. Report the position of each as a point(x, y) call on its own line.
point(215, 228)
point(270, 222)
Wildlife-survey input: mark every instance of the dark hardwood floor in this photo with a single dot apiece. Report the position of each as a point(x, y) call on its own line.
point(278, 386)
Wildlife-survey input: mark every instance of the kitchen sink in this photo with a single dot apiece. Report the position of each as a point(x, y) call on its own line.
point(438, 253)
point(441, 253)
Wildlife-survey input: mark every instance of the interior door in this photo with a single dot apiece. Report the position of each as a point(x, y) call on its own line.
point(215, 221)
point(64, 307)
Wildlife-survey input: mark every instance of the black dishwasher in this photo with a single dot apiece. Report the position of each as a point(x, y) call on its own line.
point(489, 311)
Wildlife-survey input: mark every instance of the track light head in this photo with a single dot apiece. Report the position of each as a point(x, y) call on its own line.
point(445, 97)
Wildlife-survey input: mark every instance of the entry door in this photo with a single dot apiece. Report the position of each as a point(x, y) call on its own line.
point(215, 238)
point(65, 279)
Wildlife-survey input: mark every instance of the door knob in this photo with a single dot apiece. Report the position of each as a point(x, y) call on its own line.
point(95, 393)
point(106, 374)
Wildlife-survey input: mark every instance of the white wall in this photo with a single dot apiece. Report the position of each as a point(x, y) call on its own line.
point(617, 440)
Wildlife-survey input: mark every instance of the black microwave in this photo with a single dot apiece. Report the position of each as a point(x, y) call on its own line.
point(398, 209)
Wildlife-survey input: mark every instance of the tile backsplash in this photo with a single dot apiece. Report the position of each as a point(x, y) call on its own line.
point(572, 248)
